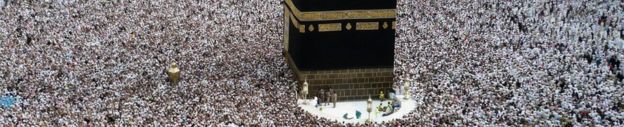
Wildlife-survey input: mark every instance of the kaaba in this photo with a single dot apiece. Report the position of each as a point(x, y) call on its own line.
point(343, 45)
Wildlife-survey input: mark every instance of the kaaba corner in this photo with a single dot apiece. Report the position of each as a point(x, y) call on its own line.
point(343, 45)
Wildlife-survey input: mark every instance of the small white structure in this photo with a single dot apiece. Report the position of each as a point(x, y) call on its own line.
point(304, 91)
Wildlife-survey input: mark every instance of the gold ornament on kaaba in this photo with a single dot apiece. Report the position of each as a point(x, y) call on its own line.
point(385, 25)
point(174, 73)
point(340, 14)
point(311, 28)
point(348, 26)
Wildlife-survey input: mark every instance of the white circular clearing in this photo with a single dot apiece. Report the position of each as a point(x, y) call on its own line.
point(350, 107)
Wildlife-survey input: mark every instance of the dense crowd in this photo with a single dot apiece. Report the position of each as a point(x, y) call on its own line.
point(536, 62)
point(476, 63)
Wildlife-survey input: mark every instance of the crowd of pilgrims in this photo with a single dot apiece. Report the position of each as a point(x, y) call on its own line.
point(474, 63)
